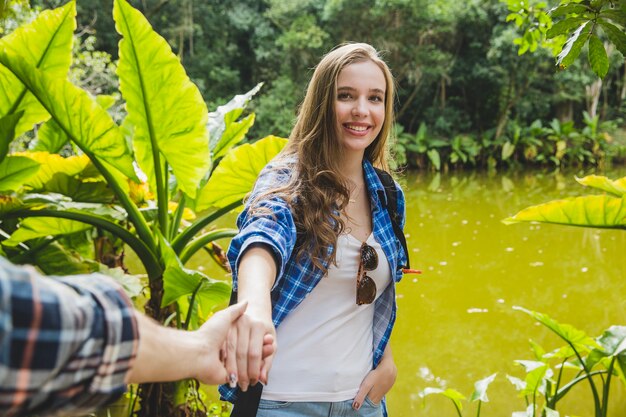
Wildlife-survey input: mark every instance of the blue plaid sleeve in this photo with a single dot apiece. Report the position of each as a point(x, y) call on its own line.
point(273, 226)
point(67, 343)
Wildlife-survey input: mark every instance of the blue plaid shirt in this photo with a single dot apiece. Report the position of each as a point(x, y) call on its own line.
point(65, 344)
point(295, 280)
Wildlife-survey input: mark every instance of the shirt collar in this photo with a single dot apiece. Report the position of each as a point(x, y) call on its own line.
point(374, 186)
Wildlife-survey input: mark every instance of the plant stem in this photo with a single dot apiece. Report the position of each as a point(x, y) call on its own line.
point(191, 303)
point(147, 257)
point(607, 386)
point(594, 390)
point(179, 243)
point(478, 408)
point(178, 215)
point(136, 218)
point(203, 240)
point(458, 411)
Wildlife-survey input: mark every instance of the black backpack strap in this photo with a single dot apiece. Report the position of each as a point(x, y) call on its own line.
point(391, 194)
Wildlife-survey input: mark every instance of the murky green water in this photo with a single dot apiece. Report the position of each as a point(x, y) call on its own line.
point(456, 324)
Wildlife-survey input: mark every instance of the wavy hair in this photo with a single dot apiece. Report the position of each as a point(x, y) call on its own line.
point(317, 191)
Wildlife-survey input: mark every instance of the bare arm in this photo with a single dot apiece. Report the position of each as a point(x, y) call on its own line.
point(198, 351)
point(257, 273)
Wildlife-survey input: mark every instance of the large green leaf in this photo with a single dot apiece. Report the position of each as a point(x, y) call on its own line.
point(236, 174)
point(598, 58)
point(52, 164)
point(77, 190)
point(235, 132)
point(34, 227)
point(567, 332)
point(83, 120)
point(615, 35)
point(7, 132)
point(613, 340)
point(179, 281)
point(616, 187)
point(15, 170)
point(50, 137)
point(230, 111)
point(165, 108)
point(573, 46)
point(589, 211)
point(45, 43)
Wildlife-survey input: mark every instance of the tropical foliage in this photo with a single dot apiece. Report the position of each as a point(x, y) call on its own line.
point(607, 210)
point(551, 374)
point(80, 211)
point(571, 25)
point(458, 71)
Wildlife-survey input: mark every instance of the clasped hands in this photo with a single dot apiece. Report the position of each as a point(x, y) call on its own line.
point(240, 348)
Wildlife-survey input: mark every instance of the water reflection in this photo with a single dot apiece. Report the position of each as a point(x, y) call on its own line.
point(456, 324)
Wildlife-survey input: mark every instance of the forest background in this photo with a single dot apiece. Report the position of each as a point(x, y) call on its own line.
point(465, 95)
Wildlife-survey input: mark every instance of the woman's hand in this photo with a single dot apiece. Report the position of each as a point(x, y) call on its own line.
point(245, 362)
point(250, 350)
point(378, 381)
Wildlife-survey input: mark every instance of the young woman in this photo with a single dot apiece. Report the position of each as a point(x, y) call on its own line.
point(316, 257)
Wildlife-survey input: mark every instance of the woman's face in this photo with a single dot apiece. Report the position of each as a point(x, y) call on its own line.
point(360, 105)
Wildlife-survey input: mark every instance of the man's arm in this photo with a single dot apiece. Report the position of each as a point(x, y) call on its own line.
point(72, 344)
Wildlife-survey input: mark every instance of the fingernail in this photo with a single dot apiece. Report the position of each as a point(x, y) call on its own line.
point(356, 405)
point(232, 380)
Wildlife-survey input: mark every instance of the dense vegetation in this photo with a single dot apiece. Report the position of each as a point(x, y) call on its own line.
point(460, 77)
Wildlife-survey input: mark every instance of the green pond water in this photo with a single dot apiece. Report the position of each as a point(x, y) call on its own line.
point(456, 322)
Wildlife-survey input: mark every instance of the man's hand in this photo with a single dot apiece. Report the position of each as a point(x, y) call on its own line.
point(216, 331)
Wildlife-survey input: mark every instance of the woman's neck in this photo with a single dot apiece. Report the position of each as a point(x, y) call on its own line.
point(352, 168)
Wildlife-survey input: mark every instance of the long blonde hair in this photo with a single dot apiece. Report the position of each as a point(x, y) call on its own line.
point(317, 190)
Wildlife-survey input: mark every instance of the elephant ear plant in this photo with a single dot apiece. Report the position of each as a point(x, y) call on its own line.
point(71, 214)
point(608, 352)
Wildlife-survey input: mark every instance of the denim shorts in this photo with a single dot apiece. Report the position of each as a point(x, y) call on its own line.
point(269, 408)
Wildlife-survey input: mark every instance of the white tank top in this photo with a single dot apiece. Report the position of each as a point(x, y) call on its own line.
point(325, 344)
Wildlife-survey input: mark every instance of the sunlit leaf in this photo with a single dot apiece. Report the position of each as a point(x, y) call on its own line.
point(598, 58)
point(15, 171)
point(88, 125)
point(567, 332)
point(77, 190)
point(165, 108)
point(564, 26)
point(616, 187)
point(602, 211)
point(50, 137)
point(613, 340)
point(236, 174)
point(480, 389)
point(573, 46)
point(45, 43)
point(52, 164)
point(226, 113)
point(235, 132)
point(449, 393)
point(507, 150)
